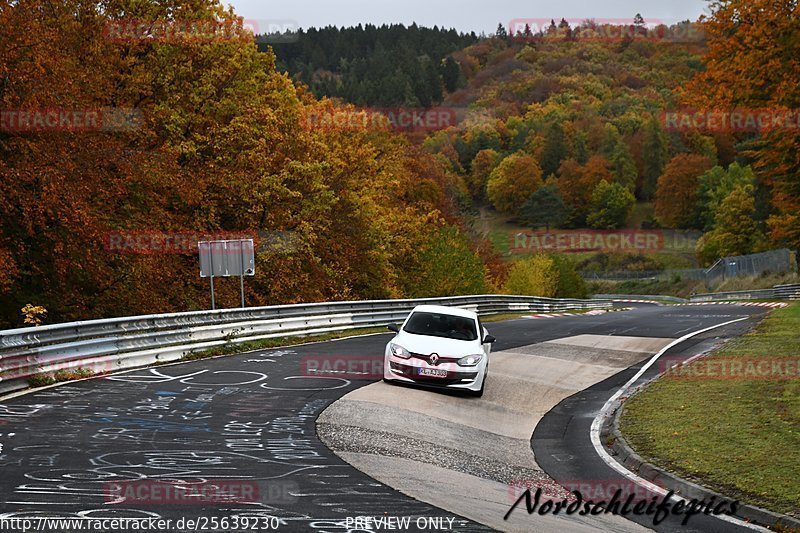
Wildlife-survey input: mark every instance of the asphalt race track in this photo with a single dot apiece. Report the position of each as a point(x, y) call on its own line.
point(563, 448)
point(245, 426)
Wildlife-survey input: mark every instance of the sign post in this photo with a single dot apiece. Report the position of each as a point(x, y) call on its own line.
point(225, 259)
point(211, 276)
point(241, 277)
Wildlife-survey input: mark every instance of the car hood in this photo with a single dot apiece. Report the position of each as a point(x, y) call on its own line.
point(426, 345)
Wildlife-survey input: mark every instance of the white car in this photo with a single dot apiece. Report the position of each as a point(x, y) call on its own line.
point(441, 347)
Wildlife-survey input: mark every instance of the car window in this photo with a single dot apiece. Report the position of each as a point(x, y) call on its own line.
point(442, 325)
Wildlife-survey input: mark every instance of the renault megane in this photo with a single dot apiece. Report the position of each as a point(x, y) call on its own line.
point(439, 346)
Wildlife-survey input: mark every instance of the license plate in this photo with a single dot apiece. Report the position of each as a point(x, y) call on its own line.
point(432, 372)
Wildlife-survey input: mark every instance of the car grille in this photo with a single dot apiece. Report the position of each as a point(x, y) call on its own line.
point(427, 358)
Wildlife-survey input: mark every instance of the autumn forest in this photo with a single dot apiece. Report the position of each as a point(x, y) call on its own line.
point(576, 125)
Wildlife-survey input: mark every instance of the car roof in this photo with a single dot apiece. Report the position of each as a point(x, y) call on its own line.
point(446, 310)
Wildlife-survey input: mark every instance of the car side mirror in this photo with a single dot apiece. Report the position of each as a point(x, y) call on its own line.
point(489, 339)
point(394, 327)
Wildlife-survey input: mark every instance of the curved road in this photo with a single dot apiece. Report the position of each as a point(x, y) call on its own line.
point(235, 436)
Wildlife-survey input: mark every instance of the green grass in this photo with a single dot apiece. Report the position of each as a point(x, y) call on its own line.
point(641, 211)
point(656, 260)
point(682, 288)
point(502, 228)
point(738, 436)
point(766, 281)
point(685, 287)
point(501, 231)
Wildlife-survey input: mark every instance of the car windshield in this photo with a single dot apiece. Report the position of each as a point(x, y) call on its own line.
point(442, 325)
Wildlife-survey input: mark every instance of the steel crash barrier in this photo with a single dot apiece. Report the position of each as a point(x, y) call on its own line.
point(109, 345)
point(655, 298)
point(778, 292)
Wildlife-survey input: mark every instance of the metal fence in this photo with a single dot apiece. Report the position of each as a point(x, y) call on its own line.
point(621, 275)
point(739, 266)
point(109, 345)
point(772, 262)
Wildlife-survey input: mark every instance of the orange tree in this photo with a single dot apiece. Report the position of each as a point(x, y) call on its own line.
point(677, 192)
point(577, 182)
point(513, 181)
point(223, 143)
point(753, 62)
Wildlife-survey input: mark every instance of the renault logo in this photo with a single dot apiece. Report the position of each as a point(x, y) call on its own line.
point(434, 358)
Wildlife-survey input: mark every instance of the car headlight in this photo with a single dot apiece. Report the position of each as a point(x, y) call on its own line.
point(470, 360)
point(398, 351)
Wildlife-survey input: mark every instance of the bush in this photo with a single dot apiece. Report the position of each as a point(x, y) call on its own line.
point(545, 207)
point(448, 266)
point(33, 314)
point(551, 276)
point(59, 376)
point(736, 230)
point(41, 380)
point(610, 262)
point(610, 206)
point(533, 276)
point(72, 374)
point(570, 283)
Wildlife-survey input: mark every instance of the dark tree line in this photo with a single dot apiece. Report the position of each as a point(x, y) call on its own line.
point(375, 65)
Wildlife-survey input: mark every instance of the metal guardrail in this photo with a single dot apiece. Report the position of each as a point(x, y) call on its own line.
point(653, 297)
point(108, 345)
point(778, 292)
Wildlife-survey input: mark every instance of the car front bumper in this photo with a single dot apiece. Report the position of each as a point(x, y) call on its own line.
point(458, 378)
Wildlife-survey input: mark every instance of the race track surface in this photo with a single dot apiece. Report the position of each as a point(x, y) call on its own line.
point(244, 428)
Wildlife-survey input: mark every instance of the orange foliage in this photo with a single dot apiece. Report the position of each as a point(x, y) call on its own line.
point(576, 183)
point(222, 146)
point(753, 61)
point(513, 181)
point(677, 193)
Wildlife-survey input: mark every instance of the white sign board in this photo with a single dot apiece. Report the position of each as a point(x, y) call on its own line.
point(227, 258)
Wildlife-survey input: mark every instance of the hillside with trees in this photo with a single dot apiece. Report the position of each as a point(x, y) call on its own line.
point(759, 74)
point(221, 146)
point(388, 65)
point(572, 123)
point(563, 128)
